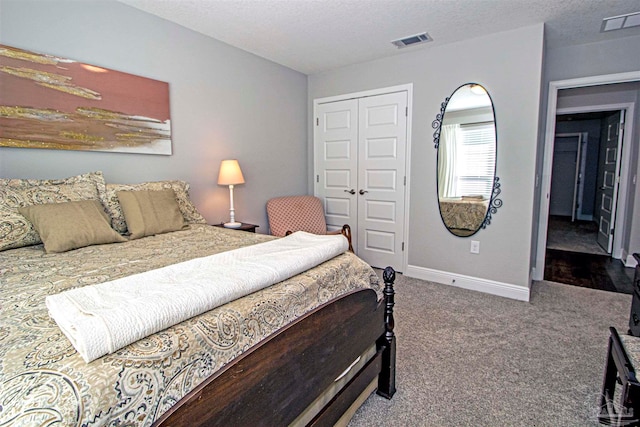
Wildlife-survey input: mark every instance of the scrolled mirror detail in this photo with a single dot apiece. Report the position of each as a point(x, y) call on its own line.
point(495, 202)
point(466, 140)
point(437, 123)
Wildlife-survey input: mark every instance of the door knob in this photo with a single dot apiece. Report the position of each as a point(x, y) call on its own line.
point(352, 191)
point(362, 192)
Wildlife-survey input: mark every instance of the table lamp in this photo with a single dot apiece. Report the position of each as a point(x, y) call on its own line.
point(230, 174)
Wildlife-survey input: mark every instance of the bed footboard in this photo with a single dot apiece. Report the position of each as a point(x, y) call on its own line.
point(277, 380)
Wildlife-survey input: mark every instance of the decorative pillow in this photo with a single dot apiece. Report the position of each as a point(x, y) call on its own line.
point(92, 177)
point(15, 230)
point(150, 212)
point(71, 225)
point(181, 189)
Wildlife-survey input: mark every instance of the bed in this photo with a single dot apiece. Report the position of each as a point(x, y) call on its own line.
point(463, 213)
point(304, 351)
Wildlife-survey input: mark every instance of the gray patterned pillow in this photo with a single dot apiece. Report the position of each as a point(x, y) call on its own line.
point(181, 188)
point(15, 230)
point(95, 178)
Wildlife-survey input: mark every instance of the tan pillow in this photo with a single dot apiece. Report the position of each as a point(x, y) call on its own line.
point(15, 230)
point(150, 212)
point(71, 225)
point(181, 189)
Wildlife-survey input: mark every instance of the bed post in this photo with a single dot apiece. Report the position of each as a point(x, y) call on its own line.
point(387, 377)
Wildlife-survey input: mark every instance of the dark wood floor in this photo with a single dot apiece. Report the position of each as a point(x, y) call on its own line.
point(588, 270)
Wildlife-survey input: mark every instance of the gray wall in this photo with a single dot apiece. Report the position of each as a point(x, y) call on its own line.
point(509, 65)
point(594, 59)
point(225, 103)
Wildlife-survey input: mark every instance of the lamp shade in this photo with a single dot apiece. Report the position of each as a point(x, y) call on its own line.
point(230, 173)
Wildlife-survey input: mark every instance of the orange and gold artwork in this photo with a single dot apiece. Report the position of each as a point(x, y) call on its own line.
point(57, 103)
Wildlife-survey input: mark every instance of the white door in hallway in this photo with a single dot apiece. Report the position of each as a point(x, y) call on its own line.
point(360, 151)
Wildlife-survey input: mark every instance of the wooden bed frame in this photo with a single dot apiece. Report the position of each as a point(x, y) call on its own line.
point(275, 381)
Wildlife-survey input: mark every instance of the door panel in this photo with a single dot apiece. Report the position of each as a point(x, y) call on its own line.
point(337, 208)
point(336, 140)
point(381, 172)
point(608, 171)
point(380, 211)
point(379, 241)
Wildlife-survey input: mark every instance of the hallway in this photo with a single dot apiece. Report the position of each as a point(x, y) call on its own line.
point(574, 257)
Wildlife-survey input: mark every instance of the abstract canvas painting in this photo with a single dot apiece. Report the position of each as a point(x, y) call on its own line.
point(57, 103)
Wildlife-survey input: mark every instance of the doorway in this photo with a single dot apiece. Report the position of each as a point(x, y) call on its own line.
point(599, 104)
point(583, 202)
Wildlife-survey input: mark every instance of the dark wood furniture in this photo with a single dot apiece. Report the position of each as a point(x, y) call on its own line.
point(251, 228)
point(619, 407)
point(275, 381)
point(634, 316)
point(620, 399)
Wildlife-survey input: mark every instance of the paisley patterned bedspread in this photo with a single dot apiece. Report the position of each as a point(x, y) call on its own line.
point(43, 381)
point(463, 214)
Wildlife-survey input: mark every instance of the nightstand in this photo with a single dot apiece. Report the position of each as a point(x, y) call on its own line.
point(251, 228)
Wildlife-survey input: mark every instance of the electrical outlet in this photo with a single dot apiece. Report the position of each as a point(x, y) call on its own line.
point(475, 247)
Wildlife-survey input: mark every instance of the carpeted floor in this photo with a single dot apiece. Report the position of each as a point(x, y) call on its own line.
point(471, 359)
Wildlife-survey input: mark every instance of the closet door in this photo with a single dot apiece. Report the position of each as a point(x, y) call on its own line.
point(336, 163)
point(382, 139)
point(360, 154)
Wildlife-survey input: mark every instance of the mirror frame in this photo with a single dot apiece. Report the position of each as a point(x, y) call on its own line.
point(494, 202)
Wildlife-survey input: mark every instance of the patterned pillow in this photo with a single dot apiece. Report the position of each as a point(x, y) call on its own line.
point(181, 188)
point(94, 177)
point(15, 230)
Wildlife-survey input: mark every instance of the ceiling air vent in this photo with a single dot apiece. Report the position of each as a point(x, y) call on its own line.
point(412, 40)
point(620, 22)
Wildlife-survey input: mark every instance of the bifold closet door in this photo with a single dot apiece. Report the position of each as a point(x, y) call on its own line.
point(360, 155)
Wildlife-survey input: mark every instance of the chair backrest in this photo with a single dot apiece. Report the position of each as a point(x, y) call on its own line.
point(296, 213)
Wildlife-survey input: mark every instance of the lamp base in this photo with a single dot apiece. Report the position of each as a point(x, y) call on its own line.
point(232, 224)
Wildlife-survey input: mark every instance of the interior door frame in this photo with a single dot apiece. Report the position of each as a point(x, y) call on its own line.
point(550, 130)
point(374, 92)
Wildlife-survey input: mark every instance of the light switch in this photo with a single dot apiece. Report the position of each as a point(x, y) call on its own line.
point(475, 247)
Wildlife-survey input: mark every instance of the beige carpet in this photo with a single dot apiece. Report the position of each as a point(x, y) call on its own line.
point(471, 359)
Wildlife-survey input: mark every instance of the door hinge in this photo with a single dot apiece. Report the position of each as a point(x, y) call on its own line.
point(403, 246)
point(406, 111)
point(405, 180)
point(317, 121)
point(317, 178)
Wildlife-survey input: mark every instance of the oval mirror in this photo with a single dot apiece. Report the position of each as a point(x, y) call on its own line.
point(466, 141)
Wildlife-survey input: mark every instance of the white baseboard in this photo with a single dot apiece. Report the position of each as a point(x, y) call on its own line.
point(506, 290)
point(630, 261)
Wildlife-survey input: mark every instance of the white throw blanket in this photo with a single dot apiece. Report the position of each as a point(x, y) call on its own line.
point(102, 318)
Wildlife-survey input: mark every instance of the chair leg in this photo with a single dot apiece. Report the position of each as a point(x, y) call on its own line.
point(346, 232)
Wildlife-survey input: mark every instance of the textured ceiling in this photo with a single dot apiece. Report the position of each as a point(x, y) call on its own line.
point(312, 36)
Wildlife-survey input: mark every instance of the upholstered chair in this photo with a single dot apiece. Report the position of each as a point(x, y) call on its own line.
point(300, 213)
